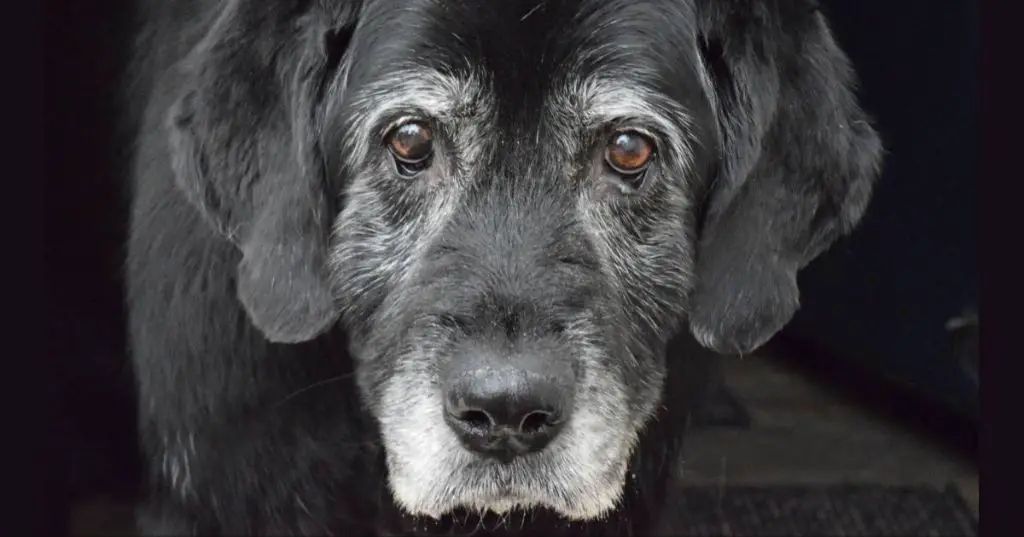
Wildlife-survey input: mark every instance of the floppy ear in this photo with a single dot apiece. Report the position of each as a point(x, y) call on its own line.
point(798, 162)
point(244, 144)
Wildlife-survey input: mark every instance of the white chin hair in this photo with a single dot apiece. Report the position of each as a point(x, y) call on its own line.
point(502, 506)
point(585, 505)
point(581, 475)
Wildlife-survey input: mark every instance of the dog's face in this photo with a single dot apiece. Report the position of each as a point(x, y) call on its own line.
point(513, 207)
point(518, 207)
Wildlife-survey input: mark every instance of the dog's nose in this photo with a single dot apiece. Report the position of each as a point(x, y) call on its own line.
point(505, 412)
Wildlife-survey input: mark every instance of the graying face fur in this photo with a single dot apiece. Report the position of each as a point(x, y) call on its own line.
point(518, 237)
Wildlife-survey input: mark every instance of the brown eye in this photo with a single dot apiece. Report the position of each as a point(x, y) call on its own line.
point(412, 145)
point(629, 152)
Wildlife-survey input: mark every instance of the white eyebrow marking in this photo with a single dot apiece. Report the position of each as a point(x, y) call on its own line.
point(596, 101)
point(417, 90)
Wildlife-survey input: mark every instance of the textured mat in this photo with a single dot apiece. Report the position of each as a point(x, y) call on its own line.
point(847, 510)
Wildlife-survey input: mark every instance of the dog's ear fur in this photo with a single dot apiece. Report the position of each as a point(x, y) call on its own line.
point(244, 149)
point(797, 165)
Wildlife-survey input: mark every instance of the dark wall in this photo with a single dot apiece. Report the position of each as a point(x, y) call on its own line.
point(85, 45)
point(882, 297)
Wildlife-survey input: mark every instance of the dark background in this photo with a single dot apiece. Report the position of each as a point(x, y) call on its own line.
point(879, 301)
point(874, 307)
point(85, 214)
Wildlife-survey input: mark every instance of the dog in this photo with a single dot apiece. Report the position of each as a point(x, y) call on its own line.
point(413, 266)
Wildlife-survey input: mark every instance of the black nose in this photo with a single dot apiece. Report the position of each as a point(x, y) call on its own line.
point(505, 412)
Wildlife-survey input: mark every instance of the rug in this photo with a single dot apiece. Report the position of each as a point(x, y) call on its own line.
point(825, 510)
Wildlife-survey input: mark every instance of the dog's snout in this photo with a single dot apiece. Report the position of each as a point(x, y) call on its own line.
point(506, 410)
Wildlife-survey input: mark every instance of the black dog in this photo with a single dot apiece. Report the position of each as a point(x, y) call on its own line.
point(405, 266)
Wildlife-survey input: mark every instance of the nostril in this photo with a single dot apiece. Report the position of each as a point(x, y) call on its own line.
point(537, 421)
point(477, 419)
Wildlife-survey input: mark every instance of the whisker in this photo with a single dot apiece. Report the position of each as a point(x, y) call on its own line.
point(531, 12)
point(317, 384)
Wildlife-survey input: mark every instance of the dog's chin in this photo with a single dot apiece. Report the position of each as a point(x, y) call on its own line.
point(503, 505)
point(458, 497)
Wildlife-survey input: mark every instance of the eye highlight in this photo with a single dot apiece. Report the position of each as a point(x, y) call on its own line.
point(411, 145)
point(629, 152)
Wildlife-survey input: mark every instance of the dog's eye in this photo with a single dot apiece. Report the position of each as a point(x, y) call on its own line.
point(412, 145)
point(629, 152)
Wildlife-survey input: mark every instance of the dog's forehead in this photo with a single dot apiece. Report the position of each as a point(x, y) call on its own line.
point(527, 48)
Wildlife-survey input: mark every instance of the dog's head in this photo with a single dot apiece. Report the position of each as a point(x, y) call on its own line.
point(513, 206)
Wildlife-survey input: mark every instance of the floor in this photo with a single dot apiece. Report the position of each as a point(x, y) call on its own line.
point(801, 432)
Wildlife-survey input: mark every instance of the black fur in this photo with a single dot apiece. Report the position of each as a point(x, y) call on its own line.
point(798, 163)
point(231, 316)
